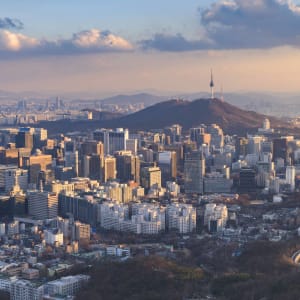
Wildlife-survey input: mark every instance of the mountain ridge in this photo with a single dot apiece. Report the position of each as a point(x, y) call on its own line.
point(230, 118)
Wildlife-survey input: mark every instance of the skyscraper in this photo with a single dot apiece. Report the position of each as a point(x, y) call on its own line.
point(167, 164)
point(113, 140)
point(109, 168)
point(42, 205)
point(150, 177)
point(194, 170)
point(24, 138)
point(290, 175)
point(36, 163)
point(128, 166)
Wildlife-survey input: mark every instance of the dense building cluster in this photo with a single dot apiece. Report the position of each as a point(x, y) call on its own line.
point(55, 193)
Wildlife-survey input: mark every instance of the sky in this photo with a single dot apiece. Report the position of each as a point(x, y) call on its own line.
point(100, 47)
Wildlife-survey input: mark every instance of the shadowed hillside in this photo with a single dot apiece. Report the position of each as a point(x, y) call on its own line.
point(186, 113)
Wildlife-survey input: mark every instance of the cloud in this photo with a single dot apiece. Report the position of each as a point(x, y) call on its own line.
point(8, 23)
point(167, 42)
point(239, 24)
point(88, 41)
point(13, 42)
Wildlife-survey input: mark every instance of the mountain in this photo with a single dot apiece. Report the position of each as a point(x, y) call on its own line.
point(188, 114)
point(193, 113)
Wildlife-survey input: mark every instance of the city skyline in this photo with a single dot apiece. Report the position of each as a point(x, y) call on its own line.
point(120, 47)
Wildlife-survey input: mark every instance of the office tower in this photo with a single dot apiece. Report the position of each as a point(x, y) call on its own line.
point(37, 163)
point(40, 136)
point(82, 232)
point(24, 138)
point(92, 147)
point(128, 166)
point(113, 140)
point(280, 149)
point(82, 208)
point(109, 168)
point(199, 136)
point(64, 173)
point(241, 147)
point(167, 165)
point(174, 132)
point(247, 180)
point(132, 145)
point(147, 155)
point(194, 170)
point(85, 166)
point(95, 167)
point(42, 205)
point(15, 177)
point(217, 136)
point(71, 160)
point(18, 202)
point(151, 177)
point(9, 156)
point(266, 147)
point(3, 170)
point(254, 144)
point(290, 175)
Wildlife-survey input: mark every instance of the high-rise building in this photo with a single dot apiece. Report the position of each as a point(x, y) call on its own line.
point(71, 160)
point(217, 136)
point(24, 138)
point(194, 170)
point(96, 165)
point(42, 205)
point(290, 175)
point(174, 132)
point(128, 166)
point(247, 180)
point(109, 168)
point(167, 164)
point(132, 145)
point(37, 163)
point(199, 136)
point(280, 149)
point(113, 140)
point(92, 147)
point(241, 147)
point(151, 177)
point(16, 177)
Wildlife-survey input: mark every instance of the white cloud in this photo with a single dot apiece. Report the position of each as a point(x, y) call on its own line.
point(10, 41)
point(94, 38)
point(88, 41)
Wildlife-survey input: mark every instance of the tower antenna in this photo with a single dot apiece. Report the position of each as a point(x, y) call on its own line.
point(211, 85)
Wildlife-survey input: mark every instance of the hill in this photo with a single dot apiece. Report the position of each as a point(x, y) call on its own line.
point(232, 119)
point(193, 113)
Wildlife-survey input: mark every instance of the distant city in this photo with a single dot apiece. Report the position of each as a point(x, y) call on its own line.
point(150, 150)
point(69, 200)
